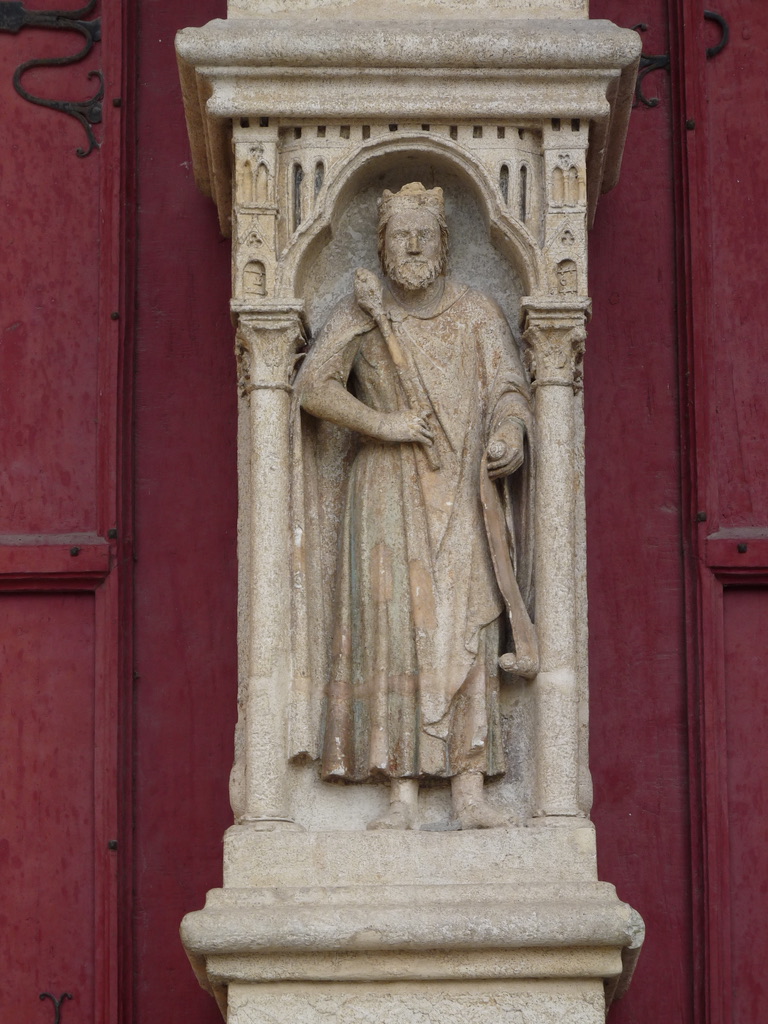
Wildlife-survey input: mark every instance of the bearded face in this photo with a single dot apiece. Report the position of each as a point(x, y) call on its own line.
point(413, 249)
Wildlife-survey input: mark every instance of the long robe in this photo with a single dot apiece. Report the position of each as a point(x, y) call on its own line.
point(412, 678)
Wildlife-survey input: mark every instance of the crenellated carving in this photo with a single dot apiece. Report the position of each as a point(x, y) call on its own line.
point(311, 155)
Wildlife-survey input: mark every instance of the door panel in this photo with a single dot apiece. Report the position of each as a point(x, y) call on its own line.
point(47, 795)
point(638, 685)
point(746, 739)
point(737, 159)
point(49, 304)
point(65, 540)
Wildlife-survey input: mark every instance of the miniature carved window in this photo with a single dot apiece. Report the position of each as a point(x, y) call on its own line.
point(298, 178)
point(504, 183)
point(523, 194)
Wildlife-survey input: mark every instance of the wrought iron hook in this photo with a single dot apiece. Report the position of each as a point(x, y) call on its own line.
point(648, 63)
point(661, 61)
point(14, 17)
point(56, 1003)
point(712, 51)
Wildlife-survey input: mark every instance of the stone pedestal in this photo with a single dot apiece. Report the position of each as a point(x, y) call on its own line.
point(299, 115)
point(433, 926)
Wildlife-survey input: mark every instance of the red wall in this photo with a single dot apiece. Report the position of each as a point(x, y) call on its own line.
point(638, 684)
point(186, 508)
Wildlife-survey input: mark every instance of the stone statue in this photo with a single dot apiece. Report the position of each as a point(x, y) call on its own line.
point(432, 527)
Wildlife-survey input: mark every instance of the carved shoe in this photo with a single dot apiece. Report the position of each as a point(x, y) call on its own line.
point(399, 816)
point(480, 814)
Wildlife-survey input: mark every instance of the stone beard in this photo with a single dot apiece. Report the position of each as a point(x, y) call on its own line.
point(413, 681)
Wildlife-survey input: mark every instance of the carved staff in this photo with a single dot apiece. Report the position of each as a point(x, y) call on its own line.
point(368, 297)
point(525, 660)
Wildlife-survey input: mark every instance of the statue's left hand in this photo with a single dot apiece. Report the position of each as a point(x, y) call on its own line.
point(505, 450)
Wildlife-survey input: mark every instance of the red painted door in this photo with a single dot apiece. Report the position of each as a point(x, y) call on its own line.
point(722, 181)
point(64, 535)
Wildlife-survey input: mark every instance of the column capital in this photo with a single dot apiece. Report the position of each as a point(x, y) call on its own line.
point(554, 332)
point(268, 339)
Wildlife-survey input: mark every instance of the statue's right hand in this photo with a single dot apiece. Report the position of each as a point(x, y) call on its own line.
point(410, 425)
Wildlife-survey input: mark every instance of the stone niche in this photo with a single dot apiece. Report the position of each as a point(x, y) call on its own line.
point(322, 130)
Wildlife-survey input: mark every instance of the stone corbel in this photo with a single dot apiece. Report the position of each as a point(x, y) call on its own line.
point(433, 69)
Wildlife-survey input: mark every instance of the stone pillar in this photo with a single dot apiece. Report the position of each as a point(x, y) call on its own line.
point(266, 346)
point(554, 334)
point(292, 130)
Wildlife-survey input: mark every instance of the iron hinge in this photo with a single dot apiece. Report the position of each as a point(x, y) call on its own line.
point(14, 17)
point(661, 61)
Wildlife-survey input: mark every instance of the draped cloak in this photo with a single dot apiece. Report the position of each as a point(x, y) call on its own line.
point(397, 614)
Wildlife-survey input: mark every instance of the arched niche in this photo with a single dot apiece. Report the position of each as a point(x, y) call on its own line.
point(489, 250)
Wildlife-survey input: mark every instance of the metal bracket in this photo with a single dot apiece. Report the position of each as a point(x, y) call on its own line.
point(56, 1003)
point(661, 61)
point(14, 17)
point(648, 63)
point(712, 51)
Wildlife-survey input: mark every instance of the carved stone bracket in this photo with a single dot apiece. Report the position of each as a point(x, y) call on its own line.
point(431, 71)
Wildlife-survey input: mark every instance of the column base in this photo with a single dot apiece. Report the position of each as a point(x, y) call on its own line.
point(506, 925)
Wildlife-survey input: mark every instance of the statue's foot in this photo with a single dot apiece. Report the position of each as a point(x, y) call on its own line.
point(399, 816)
point(480, 814)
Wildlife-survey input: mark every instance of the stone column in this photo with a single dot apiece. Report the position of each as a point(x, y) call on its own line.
point(554, 334)
point(266, 347)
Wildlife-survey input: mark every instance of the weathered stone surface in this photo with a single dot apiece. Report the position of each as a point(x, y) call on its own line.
point(407, 1003)
point(517, 125)
point(418, 70)
point(318, 9)
point(533, 856)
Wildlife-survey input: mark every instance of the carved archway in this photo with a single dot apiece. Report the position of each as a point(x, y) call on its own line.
point(512, 239)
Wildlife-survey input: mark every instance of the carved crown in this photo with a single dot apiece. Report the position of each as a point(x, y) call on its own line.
point(412, 196)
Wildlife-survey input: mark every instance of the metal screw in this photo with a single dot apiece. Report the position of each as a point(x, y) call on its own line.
point(112, 534)
point(114, 316)
point(117, 102)
point(701, 517)
point(690, 124)
point(741, 548)
point(112, 844)
point(74, 551)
